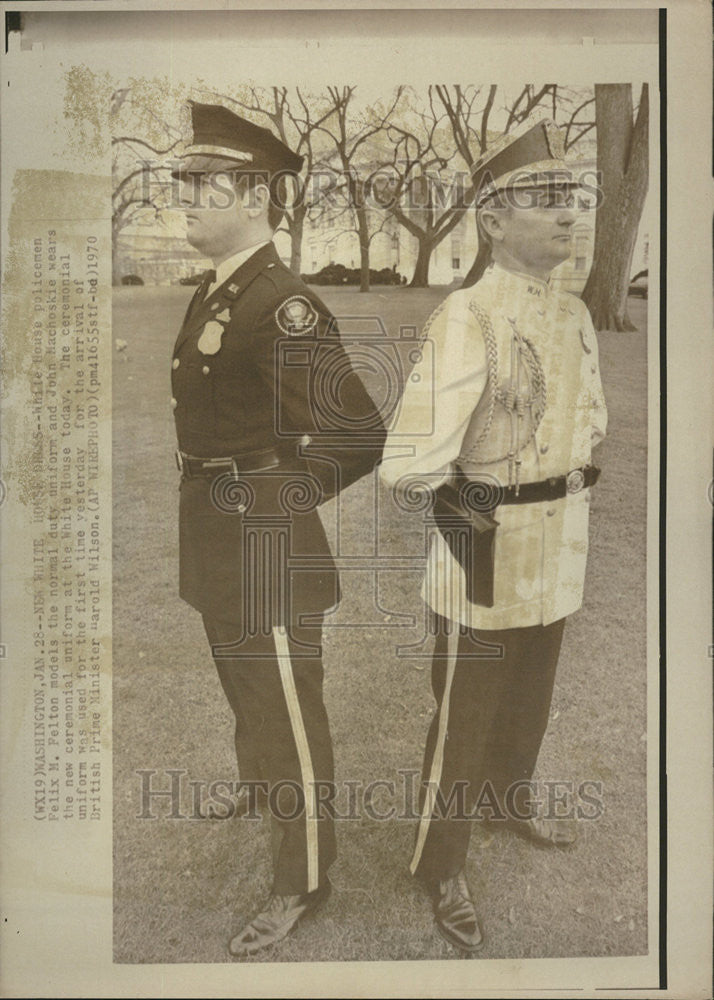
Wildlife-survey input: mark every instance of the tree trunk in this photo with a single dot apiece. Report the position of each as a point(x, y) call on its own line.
point(622, 159)
point(420, 278)
point(295, 228)
point(481, 260)
point(116, 270)
point(429, 235)
point(363, 234)
point(116, 266)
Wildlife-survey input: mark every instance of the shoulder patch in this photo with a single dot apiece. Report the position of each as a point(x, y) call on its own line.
point(296, 316)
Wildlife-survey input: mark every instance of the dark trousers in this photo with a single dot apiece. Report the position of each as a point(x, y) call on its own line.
point(274, 686)
point(493, 689)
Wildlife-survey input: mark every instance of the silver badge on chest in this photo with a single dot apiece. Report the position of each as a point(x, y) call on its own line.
point(211, 337)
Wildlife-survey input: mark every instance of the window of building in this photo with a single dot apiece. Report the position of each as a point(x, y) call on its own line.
point(582, 247)
point(455, 253)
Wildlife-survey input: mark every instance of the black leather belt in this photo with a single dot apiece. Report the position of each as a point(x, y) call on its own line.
point(488, 494)
point(554, 488)
point(250, 461)
point(464, 513)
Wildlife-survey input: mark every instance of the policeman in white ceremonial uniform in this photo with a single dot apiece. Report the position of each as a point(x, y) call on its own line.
point(506, 450)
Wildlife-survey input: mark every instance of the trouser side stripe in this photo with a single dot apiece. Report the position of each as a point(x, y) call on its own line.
point(303, 749)
point(437, 761)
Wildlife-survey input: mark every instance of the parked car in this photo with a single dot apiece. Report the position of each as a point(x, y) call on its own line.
point(192, 279)
point(132, 279)
point(638, 285)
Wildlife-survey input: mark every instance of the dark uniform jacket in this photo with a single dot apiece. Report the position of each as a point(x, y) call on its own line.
point(259, 373)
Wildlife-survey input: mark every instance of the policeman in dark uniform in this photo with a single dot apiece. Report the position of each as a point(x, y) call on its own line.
point(271, 420)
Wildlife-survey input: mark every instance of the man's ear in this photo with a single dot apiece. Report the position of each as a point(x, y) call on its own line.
point(491, 220)
point(256, 200)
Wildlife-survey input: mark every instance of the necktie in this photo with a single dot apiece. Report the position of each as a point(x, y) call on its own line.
point(208, 279)
point(200, 295)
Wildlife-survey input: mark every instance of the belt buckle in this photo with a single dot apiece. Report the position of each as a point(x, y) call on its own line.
point(575, 481)
point(178, 455)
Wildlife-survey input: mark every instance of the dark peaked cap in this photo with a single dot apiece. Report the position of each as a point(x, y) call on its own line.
point(224, 141)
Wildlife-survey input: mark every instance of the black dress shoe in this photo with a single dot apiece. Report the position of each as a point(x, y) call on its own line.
point(545, 832)
point(455, 913)
point(276, 920)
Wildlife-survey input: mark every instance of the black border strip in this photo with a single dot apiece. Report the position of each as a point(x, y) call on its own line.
point(13, 22)
point(663, 501)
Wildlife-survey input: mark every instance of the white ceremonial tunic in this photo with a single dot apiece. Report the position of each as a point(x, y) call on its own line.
point(540, 548)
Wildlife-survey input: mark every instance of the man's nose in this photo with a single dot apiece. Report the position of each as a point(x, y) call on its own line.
point(187, 195)
point(567, 215)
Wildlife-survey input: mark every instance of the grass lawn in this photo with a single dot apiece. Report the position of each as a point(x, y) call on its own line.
point(183, 887)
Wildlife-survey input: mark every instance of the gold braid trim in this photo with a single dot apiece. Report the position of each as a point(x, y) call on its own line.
point(536, 378)
point(491, 375)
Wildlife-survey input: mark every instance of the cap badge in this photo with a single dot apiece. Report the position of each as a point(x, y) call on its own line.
point(554, 138)
point(296, 316)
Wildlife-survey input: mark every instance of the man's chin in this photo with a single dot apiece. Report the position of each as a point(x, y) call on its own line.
point(194, 239)
point(560, 258)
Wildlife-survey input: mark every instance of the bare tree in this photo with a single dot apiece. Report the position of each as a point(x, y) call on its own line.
point(137, 117)
point(335, 213)
point(142, 194)
point(580, 119)
point(145, 141)
point(426, 196)
point(349, 134)
point(622, 159)
point(436, 147)
point(292, 115)
point(472, 132)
